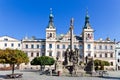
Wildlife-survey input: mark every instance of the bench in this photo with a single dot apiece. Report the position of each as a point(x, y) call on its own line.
point(102, 73)
point(15, 75)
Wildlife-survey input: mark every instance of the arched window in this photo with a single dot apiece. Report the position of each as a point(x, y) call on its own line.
point(50, 34)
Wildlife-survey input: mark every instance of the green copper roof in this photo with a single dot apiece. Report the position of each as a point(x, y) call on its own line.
point(51, 17)
point(87, 24)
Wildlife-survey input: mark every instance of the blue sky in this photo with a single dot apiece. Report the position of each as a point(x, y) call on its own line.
point(19, 18)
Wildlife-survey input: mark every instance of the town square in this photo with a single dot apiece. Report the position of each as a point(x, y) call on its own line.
point(59, 40)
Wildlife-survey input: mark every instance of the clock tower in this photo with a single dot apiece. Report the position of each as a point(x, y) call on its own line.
point(50, 30)
point(88, 38)
point(50, 36)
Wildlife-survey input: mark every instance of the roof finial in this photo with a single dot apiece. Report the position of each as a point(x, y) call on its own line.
point(71, 21)
point(50, 10)
point(87, 16)
point(87, 11)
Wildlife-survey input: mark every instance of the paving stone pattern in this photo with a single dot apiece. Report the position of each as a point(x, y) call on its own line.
point(35, 75)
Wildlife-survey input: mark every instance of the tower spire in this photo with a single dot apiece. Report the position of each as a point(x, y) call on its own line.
point(87, 23)
point(51, 24)
point(50, 10)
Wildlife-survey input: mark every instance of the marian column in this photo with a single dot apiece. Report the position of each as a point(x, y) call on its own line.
point(71, 34)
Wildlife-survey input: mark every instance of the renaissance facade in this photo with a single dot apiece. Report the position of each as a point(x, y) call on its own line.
point(55, 46)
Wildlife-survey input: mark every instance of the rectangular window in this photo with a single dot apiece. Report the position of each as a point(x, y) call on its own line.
point(74, 46)
point(63, 46)
point(94, 55)
point(37, 46)
point(50, 53)
point(43, 54)
point(111, 63)
point(43, 46)
point(68, 46)
point(18, 45)
point(106, 47)
point(95, 47)
point(63, 54)
point(111, 55)
point(12, 45)
point(100, 47)
point(37, 53)
point(111, 47)
point(32, 46)
point(105, 54)
point(89, 46)
point(32, 54)
point(100, 55)
point(50, 45)
point(5, 44)
point(118, 60)
point(80, 46)
point(89, 54)
point(5, 39)
point(26, 46)
point(58, 54)
point(58, 47)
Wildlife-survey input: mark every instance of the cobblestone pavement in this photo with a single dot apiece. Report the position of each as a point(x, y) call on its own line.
point(34, 75)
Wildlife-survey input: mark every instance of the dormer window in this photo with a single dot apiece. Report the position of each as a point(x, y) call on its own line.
point(5, 39)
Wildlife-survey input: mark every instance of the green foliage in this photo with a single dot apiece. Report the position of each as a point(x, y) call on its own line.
point(107, 63)
point(11, 56)
point(43, 60)
point(100, 63)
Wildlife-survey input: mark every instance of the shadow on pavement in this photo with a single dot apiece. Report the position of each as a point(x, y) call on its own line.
point(2, 76)
point(29, 70)
point(111, 78)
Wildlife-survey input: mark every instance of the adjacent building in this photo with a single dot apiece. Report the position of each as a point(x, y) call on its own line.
point(117, 50)
point(33, 47)
point(9, 42)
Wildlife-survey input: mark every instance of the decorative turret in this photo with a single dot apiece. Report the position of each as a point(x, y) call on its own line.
point(51, 30)
point(51, 24)
point(87, 24)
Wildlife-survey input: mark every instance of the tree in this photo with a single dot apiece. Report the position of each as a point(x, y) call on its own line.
point(12, 57)
point(100, 63)
point(42, 61)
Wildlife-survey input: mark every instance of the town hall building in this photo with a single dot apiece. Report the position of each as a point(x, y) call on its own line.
point(55, 46)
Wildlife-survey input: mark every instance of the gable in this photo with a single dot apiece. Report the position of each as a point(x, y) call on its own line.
point(7, 38)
